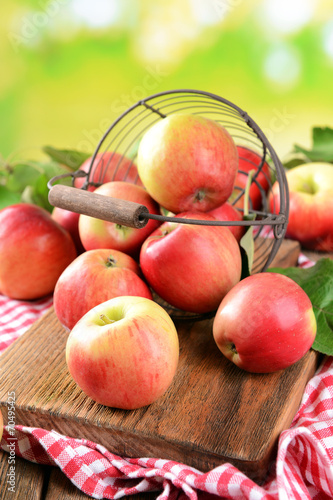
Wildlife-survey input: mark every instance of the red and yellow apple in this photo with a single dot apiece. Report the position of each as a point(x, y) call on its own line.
point(250, 160)
point(69, 221)
point(124, 352)
point(34, 251)
point(107, 167)
point(94, 277)
point(191, 266)
point(188, 162)
point(227, 212)
point(97, 233)
point(265, 323)
point(310, 205)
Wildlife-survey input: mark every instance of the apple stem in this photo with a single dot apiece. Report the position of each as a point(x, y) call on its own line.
point(106, 320)
point(247, 192)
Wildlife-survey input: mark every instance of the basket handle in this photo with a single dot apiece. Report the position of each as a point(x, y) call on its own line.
point(124, 212)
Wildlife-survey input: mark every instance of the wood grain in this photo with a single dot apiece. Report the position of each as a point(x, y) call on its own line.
point(110, 209)
point(29, 479)
point(212, 413)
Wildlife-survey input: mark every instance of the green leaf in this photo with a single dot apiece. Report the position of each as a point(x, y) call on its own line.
point(69, 157)
point(247, 252)
point(38, 193)
point(8, 197)
point(322, 148)
point(317, 282)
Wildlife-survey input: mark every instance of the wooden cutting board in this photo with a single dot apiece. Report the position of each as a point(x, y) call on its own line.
point(212, 413)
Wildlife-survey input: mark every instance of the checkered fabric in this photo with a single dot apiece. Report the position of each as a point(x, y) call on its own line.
point(303, 467)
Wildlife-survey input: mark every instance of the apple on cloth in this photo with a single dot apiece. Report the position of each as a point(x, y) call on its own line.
point(34, 251)
point(94, 277)
point(124, 352)
point(310, 205)
point(97, 233)
point(188, 162)
point(265, 323)
point(191, 266)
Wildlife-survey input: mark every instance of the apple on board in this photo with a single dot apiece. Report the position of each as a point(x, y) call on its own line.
point(34, 251)
point(97, 233)
point(265, 323)
point(70, 221)
point(250, 160)
point(107, 167)
point(227, 212)
point(191, 266)
point(310, 205)
point(124, 352)
point(188, 162)
point(94, 277)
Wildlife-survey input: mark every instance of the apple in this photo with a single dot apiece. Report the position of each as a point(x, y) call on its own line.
point(250, 160)
point(94, 277)
point(97, 233)
point(70, 221)
point(107, 167)
point(124, 352)
point(191, 266)
point(310, 205)
point(34, 251)
point(227, 212)
point(265, 323)
point(188, 162)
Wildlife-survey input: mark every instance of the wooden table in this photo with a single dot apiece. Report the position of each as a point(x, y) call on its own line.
point(40, 482)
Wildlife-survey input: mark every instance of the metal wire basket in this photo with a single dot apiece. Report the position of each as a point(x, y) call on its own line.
point(122, 138)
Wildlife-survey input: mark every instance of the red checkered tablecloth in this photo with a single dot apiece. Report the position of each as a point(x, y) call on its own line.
point(303, 468)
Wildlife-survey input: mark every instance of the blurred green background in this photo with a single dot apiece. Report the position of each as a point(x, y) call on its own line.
point(70, 67)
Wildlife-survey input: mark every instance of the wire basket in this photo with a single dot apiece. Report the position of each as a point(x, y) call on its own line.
point(121, 141)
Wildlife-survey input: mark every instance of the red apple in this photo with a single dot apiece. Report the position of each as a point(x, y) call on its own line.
point(249, 160)
point(191, 266)
point(124, 352)
point(188, 162)
point(310, 205)
point(34, 251)
point(70, 221)
point(265, 323)
point(94, 277)
point(97, 233)
point(107, 167)
point(227, 212)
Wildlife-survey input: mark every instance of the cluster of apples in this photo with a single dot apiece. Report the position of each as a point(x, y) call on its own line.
point(123, 348)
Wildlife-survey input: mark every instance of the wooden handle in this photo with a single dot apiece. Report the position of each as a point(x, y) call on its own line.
point(126, 213)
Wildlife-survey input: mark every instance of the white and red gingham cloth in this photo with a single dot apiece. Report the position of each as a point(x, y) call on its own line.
point(303, 468)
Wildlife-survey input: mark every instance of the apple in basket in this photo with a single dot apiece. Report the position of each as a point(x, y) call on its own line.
point(310, 205)
point(124, 352)
point(191, 266)
point(250, 160)
point(34, 251)
point(107, 167)
point(265, 323)
point(96, 233)
point(94, 277)
point(70, 221)
point(188, 162)
point(227, 212)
